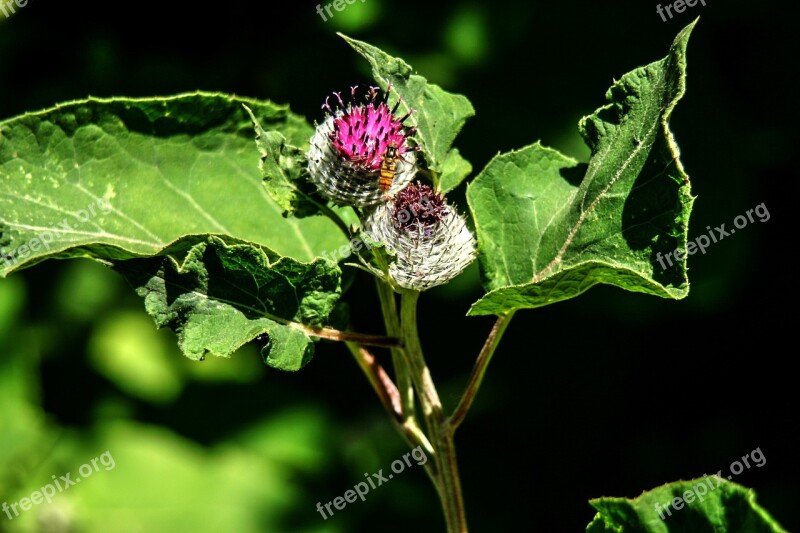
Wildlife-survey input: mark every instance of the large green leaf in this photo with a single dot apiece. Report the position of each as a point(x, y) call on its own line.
point(438, 115)
point(547, 235)
point(119, 178)
point(218, 293)
point(704, 505)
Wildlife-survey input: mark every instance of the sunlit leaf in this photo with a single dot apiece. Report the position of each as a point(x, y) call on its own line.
point(118, 178)
point(549, 229)
point(704, 505)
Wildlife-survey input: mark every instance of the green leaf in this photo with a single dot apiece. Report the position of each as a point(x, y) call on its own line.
point(547, 235)
point(455, 170)
point(438, 115)
point(119, 178)
point(706, 505)
point(218, 293)
point(284, 169)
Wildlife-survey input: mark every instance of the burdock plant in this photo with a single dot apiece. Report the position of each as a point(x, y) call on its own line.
point(226, 249)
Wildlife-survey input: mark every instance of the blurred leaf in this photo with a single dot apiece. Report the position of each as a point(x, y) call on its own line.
point(547, 235)
point(290, 437)
point(22, 423)
point(466, 35)
point(85, 288)
point(356, 17)
point(24, 431)
point(218, 293)
point(151, 479)
point(438, 115)
point(706, 505)
point(115, 178)
point(128, 351)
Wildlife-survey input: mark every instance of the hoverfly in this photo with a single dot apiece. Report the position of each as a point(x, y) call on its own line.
point(388, 166)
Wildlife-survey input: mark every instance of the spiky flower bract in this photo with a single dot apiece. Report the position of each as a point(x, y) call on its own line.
point(348, 148)
point(430, 240)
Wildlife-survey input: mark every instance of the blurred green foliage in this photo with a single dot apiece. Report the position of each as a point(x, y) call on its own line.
point(248, 481)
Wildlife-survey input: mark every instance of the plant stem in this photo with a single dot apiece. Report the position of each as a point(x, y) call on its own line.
point(414, 382)
point(381, 382)
point(481, 364)
point(327, 211)
point(409, 336)
point(402, 375)
point(347, 336)
point(441, 433)
point(390, 398)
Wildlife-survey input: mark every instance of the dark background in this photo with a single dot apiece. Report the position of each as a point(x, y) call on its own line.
point(609, 394)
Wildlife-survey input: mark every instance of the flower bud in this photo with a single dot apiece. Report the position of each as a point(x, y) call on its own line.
point(430, 240)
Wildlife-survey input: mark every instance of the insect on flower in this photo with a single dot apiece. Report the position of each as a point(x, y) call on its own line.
point(361, 153)
point(388, 166)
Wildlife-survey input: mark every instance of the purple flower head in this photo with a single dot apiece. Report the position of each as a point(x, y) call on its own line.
point(417, 207)
point(362, 133)
point(349, 148)
point(430, 240)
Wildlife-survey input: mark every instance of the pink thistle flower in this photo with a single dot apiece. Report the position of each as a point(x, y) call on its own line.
point(349, 148)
